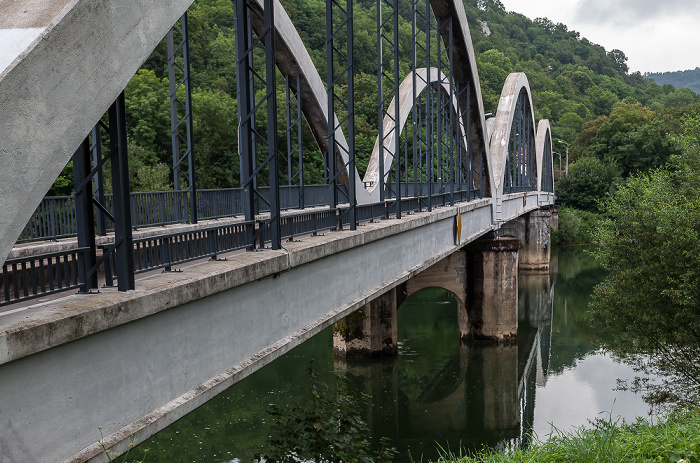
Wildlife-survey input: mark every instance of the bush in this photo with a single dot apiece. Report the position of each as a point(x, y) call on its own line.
point(589, 181)
point(576, 226)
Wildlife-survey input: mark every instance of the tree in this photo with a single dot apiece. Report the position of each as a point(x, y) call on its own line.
point(650, 245)
point(633, 137)
point(589, 181)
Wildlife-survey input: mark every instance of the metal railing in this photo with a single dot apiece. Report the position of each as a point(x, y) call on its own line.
point(164, 251)
point(35, 276)
point(55, 216)
point(40, 275)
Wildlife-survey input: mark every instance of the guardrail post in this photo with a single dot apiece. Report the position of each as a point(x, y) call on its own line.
point(166, 249)
point(161, 208)
point(212, 242)
point(52, 221)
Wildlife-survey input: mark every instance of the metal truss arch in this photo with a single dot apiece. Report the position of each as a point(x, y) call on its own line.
point(515, 87)
point(407, 95)
point(545, 160)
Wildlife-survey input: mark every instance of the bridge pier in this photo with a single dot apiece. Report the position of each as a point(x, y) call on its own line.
point(534, 231)
point(451, 274)
point(492, 287)
point(369, 331)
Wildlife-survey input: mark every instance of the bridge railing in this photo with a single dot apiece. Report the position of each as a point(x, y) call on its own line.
point(41, 275)
point(55, 218)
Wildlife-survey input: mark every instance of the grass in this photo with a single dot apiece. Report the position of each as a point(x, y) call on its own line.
point(676, 439)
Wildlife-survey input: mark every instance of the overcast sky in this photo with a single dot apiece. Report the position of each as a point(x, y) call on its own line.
point(655, 35)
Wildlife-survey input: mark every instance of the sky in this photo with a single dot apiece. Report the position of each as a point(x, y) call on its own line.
point(655, 35)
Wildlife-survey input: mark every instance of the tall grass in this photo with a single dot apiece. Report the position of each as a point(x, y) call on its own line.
point(675, 439)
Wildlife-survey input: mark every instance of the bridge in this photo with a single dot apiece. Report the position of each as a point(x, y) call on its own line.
point(141, 343)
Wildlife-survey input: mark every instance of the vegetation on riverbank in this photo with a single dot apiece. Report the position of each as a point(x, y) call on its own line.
point(675, 439)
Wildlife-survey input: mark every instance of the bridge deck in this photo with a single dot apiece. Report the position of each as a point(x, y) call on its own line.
point(34, 326)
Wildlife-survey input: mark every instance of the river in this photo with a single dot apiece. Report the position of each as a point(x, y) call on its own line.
point(436, 392)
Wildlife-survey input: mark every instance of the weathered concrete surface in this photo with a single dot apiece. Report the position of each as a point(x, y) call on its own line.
point(493, 289)
point(535, 246)
point(132, 362)
point(369, 331)
point(451, 274)
point(85, 53)
point(515, 204)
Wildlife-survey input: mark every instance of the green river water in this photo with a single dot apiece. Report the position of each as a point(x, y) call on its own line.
point(436, 392)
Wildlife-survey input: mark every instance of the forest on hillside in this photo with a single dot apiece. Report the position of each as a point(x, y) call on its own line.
point(689, 78)
point(576, 84)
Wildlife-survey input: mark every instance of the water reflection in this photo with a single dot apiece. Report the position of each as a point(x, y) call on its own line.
point(436, 392)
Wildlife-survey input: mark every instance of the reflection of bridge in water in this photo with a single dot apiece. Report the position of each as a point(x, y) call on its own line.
point(484, 394)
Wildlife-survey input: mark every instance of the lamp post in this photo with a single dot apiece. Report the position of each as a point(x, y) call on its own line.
point(554, 152)
point(566, 174)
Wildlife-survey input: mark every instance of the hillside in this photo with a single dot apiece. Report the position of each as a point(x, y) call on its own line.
point(688, 79)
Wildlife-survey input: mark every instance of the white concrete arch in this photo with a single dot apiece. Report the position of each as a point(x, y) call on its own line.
point(500, 140)
point(57, 86)
point(544, 134)
point(424, 78)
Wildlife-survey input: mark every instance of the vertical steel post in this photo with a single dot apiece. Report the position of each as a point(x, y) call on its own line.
point(330, 85)
point(428, 111)
point(246, 115)
point(397, 108)
point(272, 148)
point(301, 145)
point(333, 82)
point(248, 136)
point(288, 113)
point(176, 121)
point(85, 218)
point(380, 98)
point(120, 188)
point(350, 28)
point(99, 191)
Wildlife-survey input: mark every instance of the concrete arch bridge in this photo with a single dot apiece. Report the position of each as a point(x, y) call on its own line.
point(140, 345)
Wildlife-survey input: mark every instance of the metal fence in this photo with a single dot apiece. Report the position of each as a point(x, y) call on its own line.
point(40, 275)
point(35, 276)
point(55, 216)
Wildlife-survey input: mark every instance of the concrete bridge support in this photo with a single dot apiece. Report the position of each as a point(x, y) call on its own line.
point(369, 331)
point(451, 274)
point(483, 277)
point(534, 232)
point(492, 286)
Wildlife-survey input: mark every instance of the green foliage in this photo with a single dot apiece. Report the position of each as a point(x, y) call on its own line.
point(689, 78)
point(331, 429)
point(63, 185)
point(650, 243)
point(674, 440)
point(633, 137)
point(589, 181)
point(576, 226)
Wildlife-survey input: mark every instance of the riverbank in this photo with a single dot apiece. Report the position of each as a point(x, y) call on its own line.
point(675, 439)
